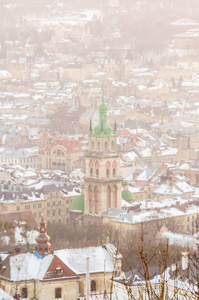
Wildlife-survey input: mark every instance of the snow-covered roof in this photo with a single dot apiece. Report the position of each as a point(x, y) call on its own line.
point(27, 266)
point(166, 189)
point(75, 259)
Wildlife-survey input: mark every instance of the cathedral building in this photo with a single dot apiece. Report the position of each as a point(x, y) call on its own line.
point(102, 181)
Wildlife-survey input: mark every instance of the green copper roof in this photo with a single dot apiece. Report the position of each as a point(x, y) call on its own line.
point(102, 129)
point(127, 195)
point(77, 203)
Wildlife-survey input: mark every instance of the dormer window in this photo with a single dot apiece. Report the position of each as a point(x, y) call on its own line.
point(58, 270)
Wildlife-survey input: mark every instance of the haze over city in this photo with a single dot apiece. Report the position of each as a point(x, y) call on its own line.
point(99, 149)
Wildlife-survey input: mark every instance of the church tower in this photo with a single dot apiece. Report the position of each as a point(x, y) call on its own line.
point(42, 247)
point(103, 181)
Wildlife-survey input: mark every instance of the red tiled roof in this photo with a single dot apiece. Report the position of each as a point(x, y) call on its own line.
point(70, 144)
point(124, 133)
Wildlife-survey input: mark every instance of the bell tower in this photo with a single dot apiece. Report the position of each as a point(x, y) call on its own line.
point(103, 181)
point(43, 246)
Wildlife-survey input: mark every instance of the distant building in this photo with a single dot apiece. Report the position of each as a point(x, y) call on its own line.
point(59, 153)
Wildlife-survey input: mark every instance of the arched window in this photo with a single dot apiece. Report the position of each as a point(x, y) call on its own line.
point(91, 167)
point(114, 172)
point(97, 168)
point(108, 196)
point(58, 153)
point(91, 172)
point(108, 166)
point(112, 145)
point(96, 199)
point(93, 145)
point(115, 196)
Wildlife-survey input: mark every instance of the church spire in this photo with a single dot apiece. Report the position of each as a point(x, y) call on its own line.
point(43, 246)
point(102, 129)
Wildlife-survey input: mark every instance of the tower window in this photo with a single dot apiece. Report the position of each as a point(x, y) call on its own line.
point(107, 173)
point(114, 173)
point(97, 173)
point(92, 145)
point(98, 145)
point(91, 172)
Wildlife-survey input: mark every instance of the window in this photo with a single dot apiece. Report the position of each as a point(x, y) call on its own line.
point(114, 173)
point(58, 293)
point(93, 285)
point(58, 270)
point(24, 293)
point(91, 172)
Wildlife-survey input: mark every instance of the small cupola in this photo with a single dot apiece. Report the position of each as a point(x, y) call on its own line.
point(43, 246)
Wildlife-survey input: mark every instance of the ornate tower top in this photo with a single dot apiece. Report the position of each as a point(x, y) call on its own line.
point(102, 129)
point(43, 246)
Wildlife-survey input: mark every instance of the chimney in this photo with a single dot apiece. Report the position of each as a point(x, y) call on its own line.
point(185, 260)
point(17, 296)
point(173, 267)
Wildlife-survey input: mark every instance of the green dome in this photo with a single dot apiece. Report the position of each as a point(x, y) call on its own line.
point(127, 195)
point(77, 204)
point(102, 129)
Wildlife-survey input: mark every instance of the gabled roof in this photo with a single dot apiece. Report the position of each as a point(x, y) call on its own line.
point(27, 266)
point(75, 259)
